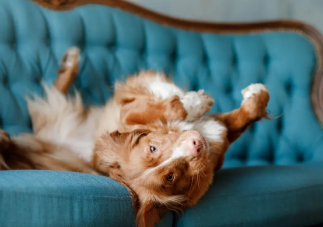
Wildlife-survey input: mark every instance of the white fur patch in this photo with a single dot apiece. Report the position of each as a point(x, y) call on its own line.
point(61, 120)
point(195, 103)
point(210, 129)
point(252, 89)
point(177, 153)
point(164, 90)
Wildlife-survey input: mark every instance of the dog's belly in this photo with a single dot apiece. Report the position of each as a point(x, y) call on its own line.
point(65, 122)
point(73, 132)
point(109, 119)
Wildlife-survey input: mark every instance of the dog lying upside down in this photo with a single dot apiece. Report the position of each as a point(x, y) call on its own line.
point(151, 136)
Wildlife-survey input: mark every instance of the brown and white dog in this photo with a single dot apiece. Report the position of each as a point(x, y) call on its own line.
point(151, 136)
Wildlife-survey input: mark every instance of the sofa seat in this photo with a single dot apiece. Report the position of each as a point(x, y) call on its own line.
point(55, 198)
point(260, 196)
point(254, 196)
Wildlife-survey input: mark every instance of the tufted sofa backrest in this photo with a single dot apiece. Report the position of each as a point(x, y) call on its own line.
point(115, 44)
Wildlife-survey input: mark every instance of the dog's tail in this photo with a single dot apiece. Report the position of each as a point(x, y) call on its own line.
point(30, 152)
point(4, 145)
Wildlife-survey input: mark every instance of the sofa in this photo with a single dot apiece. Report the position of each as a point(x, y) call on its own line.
point(272, 175)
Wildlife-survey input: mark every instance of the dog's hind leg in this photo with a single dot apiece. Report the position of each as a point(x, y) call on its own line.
point(69, 66)
point(62, 119)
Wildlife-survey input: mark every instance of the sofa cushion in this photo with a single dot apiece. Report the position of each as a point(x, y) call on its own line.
point(260, 196)
point(53, 198)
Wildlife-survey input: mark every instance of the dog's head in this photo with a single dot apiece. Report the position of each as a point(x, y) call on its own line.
point(167, 170)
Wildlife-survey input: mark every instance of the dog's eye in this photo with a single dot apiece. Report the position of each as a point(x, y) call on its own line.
point(170, 177)
point(152, 149)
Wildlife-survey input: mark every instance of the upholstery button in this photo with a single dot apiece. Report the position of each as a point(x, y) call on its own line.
point(279, 124)
point(300, 157)
point(37, 79)
point(228, 89)
point(205, 59)
point(288, 88)
point(266, 59)
point(234, 60)
point(142, 51)
point(5, 81)
point(242, 157)
point(112, 47)
point(252, 128)
point(173, 56)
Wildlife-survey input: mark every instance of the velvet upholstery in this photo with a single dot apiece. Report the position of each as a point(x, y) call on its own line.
point(115, 44)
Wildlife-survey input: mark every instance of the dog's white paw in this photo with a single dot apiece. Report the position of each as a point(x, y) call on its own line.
point(70, 58)
point(4, 140)
point(253, 89)
point(196, 104)
point(255, 100)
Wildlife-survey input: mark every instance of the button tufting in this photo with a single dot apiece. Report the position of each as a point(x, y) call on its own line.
point(205, 59)
point(38, 79)
point(173, 56)
point(116, 44)
point(300, 157)
point(279, 123)
point(288, 88)
point(252, 128)
point(5, 81)
point(234, 60)
point(112, 47)
point(266, 59)
point(228, 89)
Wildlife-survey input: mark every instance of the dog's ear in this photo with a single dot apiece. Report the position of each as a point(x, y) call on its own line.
point(123, 95)
point(149, 214)
point(110, 147)
point(128, 138)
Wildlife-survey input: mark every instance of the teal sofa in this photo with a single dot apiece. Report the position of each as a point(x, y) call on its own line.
point(272, 175)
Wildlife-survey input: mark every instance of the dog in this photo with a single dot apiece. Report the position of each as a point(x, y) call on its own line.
point(152, 136)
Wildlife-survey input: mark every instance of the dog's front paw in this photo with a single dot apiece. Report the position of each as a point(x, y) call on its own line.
point(4, 140)
point(255, 100)
point(196, 104)
point(71, 58)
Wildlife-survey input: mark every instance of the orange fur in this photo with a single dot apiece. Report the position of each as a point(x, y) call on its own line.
point(122, 134)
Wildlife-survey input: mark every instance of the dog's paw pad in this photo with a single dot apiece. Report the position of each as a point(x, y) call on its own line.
point(70, 58)
point(253, 90)
point(196, 104)
point(4, 140)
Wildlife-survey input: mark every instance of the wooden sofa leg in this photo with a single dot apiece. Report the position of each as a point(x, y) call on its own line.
point(68, 69)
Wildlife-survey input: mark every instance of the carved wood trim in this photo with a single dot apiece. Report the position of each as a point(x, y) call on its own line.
point(281, 25)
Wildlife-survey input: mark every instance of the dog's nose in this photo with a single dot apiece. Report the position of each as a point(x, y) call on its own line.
point(195, 147)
